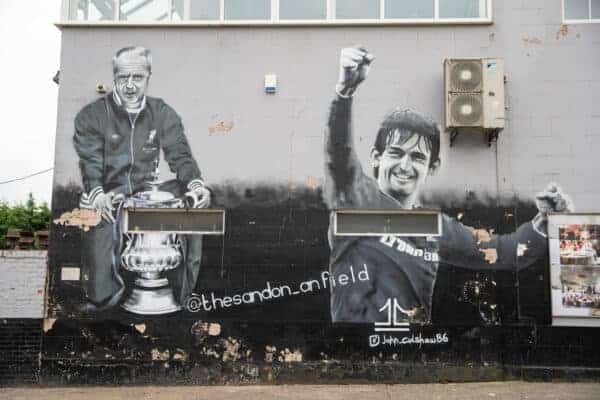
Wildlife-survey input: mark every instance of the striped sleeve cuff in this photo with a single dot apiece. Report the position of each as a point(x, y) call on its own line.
point(87, 199)
point(344, 92)
point(94, 193)
point(195, 184)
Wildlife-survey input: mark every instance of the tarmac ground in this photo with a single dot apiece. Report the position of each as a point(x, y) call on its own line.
point(510, 390)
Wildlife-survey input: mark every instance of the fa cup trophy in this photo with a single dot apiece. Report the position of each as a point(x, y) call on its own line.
point(150, 255)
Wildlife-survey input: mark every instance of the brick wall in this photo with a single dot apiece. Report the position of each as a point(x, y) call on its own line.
point(22, 284)
point(21, 309)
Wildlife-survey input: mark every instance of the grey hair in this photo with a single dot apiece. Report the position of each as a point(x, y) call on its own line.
point(135, 51)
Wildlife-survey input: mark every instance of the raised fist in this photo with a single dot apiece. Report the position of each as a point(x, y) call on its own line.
point(354, 68)
point(551, 199)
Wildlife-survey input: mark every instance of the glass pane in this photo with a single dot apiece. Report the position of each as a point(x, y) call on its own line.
point(357, 223)
point(178, 10)
point(92, 10)
point(577, 9)
point(144, 10)
point(204, 9)
point(248, 9)
point(459, 8)
point(352, 9)
point(595, 9)
point(305, 9)
point(409, 9)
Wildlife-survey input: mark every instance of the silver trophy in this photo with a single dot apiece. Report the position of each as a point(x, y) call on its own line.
point(150, 255)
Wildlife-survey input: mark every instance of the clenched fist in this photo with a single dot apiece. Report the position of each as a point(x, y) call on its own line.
point(551, 199)
point(354, 68)
point(199, 196)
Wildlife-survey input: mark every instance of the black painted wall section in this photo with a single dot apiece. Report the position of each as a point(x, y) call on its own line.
point(496, 323)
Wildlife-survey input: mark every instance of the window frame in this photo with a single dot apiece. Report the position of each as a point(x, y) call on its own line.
point(589, 19)
point(383, 211)
point(330, 19)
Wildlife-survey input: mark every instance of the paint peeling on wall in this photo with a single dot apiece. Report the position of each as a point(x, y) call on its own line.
point(482, 235)
point(563, 31)
point(48, 324)
point(222, 127)
point(491, 255)
point(82, 218)
point(532, 40)
point(521, 249)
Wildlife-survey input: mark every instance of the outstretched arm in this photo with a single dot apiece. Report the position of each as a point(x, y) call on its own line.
point(346, 183)
point(465, 247)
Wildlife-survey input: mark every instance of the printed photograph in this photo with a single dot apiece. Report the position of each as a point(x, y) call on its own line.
point(581, 288)
point(579, 244)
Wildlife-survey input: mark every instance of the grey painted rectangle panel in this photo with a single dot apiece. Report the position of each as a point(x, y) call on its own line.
point(387, 223)
point(175, 220)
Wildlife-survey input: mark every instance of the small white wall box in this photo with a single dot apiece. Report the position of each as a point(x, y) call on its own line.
point(270, 83)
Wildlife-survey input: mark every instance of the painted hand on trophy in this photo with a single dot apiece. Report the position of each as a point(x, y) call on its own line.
point(551, 199)
point(104, 203)
point(355, 63)
point(199, 197)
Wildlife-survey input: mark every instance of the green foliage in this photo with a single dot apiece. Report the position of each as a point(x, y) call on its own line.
point(29, 216)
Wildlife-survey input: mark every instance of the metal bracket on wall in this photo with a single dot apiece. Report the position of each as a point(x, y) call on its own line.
point(492, 136)
point(453, 134)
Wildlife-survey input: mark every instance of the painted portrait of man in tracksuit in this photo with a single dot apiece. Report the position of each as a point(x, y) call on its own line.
point(406, 151)
point(118, 139)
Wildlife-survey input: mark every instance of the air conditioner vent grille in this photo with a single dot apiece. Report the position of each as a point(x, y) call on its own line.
point(466, 76)
point(466, 109)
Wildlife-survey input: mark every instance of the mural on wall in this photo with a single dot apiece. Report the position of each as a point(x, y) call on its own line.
point(575, 269)
point(118, 139)
point(402, 271)
point(278, 251)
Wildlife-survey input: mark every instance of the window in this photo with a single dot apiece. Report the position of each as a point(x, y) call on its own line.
point(247, 10)
point(144, 10)
point(293, 11)
point(305, 9)
point(351, 9)
point(393, 222)
point(581, 11)
point(175, 220)
point(90, 10)
point(409, 9)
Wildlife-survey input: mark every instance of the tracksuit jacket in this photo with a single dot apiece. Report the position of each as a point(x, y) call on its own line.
point(117, 151)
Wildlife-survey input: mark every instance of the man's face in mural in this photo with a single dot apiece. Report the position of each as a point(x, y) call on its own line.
point(403, 167)
point(131, 80)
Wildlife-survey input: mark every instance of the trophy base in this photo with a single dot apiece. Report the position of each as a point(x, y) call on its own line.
point(151, 301)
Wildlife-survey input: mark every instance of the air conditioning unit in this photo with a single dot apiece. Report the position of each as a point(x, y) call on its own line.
point(474, 93)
